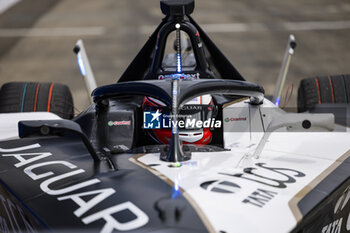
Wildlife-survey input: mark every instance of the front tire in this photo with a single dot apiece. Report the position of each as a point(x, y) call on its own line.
point(37, 97)
point(326, 89)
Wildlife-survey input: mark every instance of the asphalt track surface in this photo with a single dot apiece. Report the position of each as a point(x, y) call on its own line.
point(37, 37)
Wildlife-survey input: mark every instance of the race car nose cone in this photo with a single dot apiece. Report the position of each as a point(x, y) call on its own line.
point(177, 7)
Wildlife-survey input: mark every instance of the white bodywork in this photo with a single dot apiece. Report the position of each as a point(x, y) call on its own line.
point(309, 153)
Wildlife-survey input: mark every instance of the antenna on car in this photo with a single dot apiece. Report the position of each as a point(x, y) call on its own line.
point(85, 68)
point(177, 9)
point(175, 152)
point(284, 69)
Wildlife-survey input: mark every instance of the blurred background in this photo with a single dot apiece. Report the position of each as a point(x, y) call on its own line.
point(37, 38)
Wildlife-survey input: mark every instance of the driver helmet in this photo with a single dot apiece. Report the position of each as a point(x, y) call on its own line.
point(198, 109)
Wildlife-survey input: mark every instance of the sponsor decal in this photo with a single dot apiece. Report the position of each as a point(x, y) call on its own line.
point(260, 197)
point(118, 123)
point(343, 201)
point(334, 227)
point(192, 107)
point(272, 181)
point(230, 119)
point(157, 120)
point(182, 76)
point(30, 162)
point(265, 176)
point(341, 211)
point(220, 186)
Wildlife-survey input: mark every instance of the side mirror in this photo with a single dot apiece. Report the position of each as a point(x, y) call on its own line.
point(46, 128)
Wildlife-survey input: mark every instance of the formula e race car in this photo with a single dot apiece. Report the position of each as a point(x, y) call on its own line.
point(181, 143)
